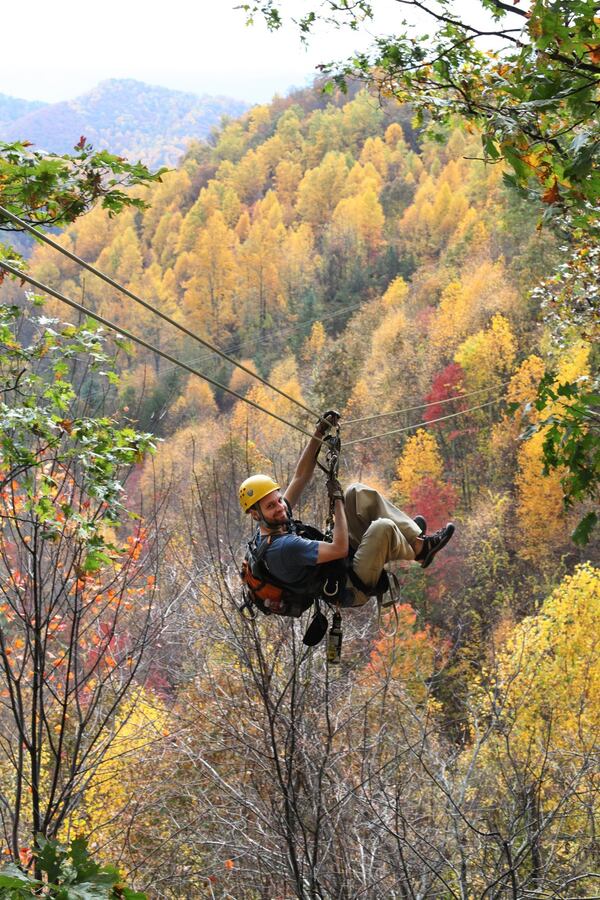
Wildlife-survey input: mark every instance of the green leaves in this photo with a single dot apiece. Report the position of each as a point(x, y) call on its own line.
point(582, 534)
point(66, 467)
point(70, 874)
point(14, 879)
point(571, 443)
point(47, 189)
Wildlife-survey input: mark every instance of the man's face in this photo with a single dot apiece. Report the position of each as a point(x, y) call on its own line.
point(273, 508)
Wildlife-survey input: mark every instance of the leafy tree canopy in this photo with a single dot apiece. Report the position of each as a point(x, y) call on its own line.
point(48, 189)
point(528, 80)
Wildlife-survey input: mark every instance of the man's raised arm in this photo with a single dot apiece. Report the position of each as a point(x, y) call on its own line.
point(338, 547)
point(305, 466)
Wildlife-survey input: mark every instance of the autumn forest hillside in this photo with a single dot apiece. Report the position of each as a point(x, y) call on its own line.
point(355, 263)
point(322, 244)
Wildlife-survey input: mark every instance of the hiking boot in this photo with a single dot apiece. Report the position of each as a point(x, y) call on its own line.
point(420, 521)
point(434, 542)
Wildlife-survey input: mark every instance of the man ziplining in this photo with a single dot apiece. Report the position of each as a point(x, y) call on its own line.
point(369, 531)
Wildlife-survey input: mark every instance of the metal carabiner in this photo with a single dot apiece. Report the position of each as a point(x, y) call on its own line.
point(333, 592)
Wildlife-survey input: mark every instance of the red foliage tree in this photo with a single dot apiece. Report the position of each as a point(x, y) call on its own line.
point(433, 499)
point(449, 383)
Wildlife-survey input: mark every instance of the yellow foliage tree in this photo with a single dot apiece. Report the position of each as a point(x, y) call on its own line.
point(196, 402)
point(132, 768)
point(314, 343)
point(242, 228)
point(49, 267)
point(284, 375)
point(542, 527)
point(543, 700)
point(523, 385)
point(362, 178)
point(396, 293)
point(386, 345)
point(321, 189)
point(166, 195)
point(323, 136)
point(376, 152)
point(219, 195)
point(208, 300)
point(487, 355)
point(361, 118)
point(420, 459)
point(165, 242)
point(122, 259)
point(297, 264)
point(550, 669)
point(544, 524)
point(573, 364)
point(264, 431)
point(288, 129)
point(360, 403)
point(259, 121)
point(240, 381)
point(522, 389)
point(452, 318)
point(91, 233)
point(173, 468)
point(259, 261)
point(449, 208)
point(270, 153)
point(466, 303)
point(250, 177)
point(394, 136)
point(232, 142)
point(288, 175)
point(360, 220)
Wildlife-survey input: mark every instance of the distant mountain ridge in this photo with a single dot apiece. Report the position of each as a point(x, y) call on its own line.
point(128, 117)
point(12, 108)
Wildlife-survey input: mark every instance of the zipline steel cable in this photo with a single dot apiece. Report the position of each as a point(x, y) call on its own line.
point(119, 287)
point(12, 270)
point(397, 412)
point(281, 332)
point(461, 412)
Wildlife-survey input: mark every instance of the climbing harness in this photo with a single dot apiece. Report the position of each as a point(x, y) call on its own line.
point(263, 592)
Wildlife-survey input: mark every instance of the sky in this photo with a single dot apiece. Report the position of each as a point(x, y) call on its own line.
point(67, 46)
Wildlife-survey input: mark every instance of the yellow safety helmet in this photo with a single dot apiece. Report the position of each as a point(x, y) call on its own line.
point(254, 489)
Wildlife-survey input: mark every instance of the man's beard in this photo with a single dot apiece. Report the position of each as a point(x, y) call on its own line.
point(274, 524)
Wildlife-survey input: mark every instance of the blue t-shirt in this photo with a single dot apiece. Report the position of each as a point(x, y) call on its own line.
point(290, 558)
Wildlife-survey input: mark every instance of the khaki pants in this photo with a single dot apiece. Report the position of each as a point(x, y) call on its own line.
point(378, 531)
